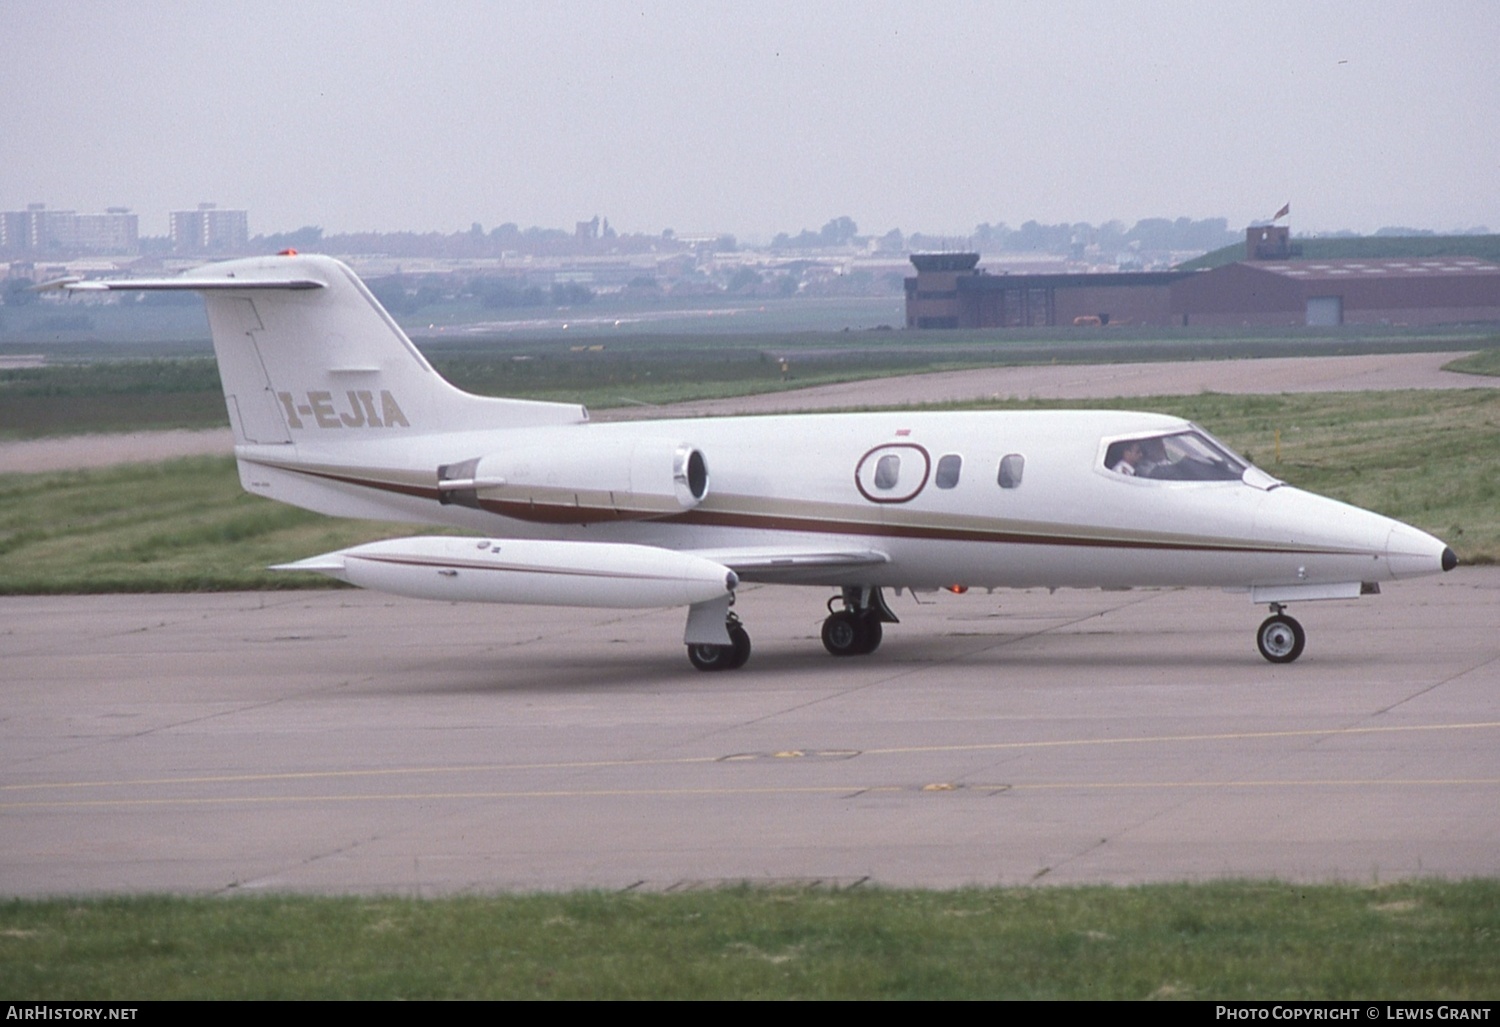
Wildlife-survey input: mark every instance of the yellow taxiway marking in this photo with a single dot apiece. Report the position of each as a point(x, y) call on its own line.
point(781, 755)
point(1228, 736)
point(850, 790)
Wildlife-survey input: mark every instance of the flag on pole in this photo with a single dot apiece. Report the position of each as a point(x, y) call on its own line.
point(1283, 212)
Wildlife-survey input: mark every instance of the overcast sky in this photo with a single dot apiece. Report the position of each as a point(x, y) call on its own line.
point(757, 116)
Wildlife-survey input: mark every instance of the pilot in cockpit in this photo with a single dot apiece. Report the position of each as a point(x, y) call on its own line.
point(1153, 456)
point(1180, 456)
point(1128, 459)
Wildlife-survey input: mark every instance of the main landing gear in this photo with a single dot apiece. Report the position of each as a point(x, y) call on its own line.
point(723, 657)
point(856, 629)
point(1280, 638)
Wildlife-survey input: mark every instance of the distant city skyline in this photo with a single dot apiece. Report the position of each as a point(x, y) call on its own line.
point(755, 118)
point(239, 232)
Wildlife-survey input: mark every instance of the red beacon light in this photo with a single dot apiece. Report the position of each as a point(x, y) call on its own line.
point(287, 253)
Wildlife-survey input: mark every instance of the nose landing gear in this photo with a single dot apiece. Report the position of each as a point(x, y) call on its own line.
point(856, 629)
point(1280, 638)
point(723, 657)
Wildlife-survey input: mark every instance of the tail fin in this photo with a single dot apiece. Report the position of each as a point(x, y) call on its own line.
point(306, 353)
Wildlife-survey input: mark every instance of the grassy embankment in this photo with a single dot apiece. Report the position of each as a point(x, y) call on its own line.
point(1429, 458)
point(1485, 247)
point(1485, 362)
point(1244, 941)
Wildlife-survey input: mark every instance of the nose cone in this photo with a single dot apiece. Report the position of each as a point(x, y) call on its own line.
point(1289, 516)
point(1332, 541)
point(1412, 553)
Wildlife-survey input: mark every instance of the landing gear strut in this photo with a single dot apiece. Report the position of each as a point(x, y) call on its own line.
point(723, 657)
point(856, 629)
point(1280, 638)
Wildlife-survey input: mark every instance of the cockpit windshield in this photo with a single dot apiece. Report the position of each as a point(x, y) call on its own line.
point(1179, 456)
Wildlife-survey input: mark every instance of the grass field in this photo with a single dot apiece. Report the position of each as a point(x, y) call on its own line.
point(179, 526)
point(82, 392)
point(107, 396)
point(1235, 941)
point(1429, 458)
point(1486, 362)
point(150, 395)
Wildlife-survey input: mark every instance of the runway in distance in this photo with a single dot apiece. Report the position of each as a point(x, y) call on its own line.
point(335, 410)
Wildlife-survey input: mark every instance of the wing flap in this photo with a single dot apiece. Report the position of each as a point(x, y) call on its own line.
point(764, 561)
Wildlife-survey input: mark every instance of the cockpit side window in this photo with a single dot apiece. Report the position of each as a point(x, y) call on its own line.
point(1179, 456)
point(948, 469)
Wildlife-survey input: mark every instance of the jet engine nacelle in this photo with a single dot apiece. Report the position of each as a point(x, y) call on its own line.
point(580, 475)
point(591, 574)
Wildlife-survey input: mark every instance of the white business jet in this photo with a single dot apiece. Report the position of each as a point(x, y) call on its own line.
point(334, 409)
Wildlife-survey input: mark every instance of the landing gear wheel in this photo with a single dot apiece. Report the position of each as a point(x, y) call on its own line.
point(723, 657)
point(740, 639)
point(841, 634)
point(851, 633)
point(712, 657)
point(1280, 639)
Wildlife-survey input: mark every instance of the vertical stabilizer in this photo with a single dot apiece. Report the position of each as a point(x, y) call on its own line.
point(307, 354)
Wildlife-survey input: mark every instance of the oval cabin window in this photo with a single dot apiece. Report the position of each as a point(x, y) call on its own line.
point(893, 473)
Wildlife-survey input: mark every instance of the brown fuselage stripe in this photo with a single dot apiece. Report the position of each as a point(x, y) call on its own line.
point(411, 561)
point(560, 514)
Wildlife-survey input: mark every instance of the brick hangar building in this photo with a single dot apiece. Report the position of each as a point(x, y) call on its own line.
point(1268, 287)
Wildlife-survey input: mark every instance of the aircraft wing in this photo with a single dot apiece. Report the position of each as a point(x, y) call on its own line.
point(765, 563)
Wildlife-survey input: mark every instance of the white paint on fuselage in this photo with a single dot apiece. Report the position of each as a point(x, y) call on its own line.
point(335, 410)
point(790, 481)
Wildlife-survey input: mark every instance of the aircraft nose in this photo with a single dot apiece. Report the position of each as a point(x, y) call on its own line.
point(1411, 552)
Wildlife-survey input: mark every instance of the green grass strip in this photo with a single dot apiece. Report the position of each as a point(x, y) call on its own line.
point(1235, 940)
point(177, 526)
point(1485, 362)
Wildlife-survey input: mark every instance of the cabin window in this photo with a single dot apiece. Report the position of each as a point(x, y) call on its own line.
point(881, 478)
point(948, 469)
point(1012, 466)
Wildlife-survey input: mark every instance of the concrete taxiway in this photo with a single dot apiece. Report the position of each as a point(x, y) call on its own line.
point(349, 742)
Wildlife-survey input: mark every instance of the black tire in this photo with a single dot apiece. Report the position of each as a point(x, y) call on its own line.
point(852, 633)
point(741, 646)
point(841, 634)
point(713, 657)
point(1280, 639)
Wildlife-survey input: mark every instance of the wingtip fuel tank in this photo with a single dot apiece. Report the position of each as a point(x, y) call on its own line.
point(525, 571)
